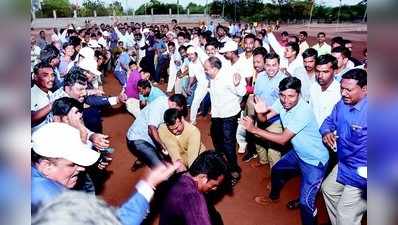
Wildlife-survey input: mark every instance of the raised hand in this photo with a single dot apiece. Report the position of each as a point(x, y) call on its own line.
point(237, 79)
point(259, 105)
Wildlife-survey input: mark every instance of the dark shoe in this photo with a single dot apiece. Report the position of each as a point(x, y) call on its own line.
point(137, 165)
point(293, 204)
point(249, 156)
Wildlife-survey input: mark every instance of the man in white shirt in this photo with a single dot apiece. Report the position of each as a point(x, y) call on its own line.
point(325, 93)
point(246, 59)
point(196, 72)
point(225, 88)
point(342, 54)
point(222, 34)
point(306, 73)
point(289, 55)
point(303, 41)
point(322, 47)
point(40, 105)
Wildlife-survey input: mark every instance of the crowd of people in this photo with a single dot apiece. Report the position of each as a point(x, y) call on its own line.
point(299, 107)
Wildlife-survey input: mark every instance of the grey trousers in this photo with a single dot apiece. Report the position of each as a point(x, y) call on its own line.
point(344, 203)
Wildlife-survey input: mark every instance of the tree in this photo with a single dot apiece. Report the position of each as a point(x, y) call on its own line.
point(195, 8)
point(62, 7)
point(117, 7)
point(90, 5)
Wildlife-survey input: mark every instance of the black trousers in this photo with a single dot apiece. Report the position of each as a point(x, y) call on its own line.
point(223, 135)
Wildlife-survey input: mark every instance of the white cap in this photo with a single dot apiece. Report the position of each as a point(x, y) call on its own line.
point(87, 52)
point(171, 33)
point(106, 33)
point(90, 65)
point(93, 44)
point(229, 46)
point(60, 140)
point(191, 50)
point(145, 30)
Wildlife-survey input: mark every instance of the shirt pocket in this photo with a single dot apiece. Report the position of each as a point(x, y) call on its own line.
point(359, 133)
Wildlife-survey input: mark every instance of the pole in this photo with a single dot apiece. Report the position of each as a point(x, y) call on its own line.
point(178, 7)
point(222, 13)
point(235, 12)
point(312, 9)
point(366, 13)
point(338, 17)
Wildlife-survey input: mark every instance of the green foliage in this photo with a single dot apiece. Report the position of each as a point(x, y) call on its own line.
point(195, 8)
point(159, 8)
point(89, 6)
point(62, 7)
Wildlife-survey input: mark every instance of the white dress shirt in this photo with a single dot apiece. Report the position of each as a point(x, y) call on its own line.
point(323, 50)
point(322, 102)
point(246, 68)
point(306, 81)
point(224, 95)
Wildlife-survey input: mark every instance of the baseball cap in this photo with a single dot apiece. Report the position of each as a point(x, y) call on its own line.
point(229, 46)
point(87, 52)
point(60, 140)
point(90, 65)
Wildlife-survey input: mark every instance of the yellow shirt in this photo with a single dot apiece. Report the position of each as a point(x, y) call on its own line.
point(186, 146)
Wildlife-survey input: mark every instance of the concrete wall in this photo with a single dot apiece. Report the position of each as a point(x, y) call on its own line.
point(156, 19)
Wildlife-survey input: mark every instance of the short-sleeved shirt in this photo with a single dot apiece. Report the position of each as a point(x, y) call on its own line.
point(307, 141)
point(153, 95)
point(268, 88)
point(152, 114)
point(38, 100)
point(131, 86)
point(196, 70)
point(124, 59)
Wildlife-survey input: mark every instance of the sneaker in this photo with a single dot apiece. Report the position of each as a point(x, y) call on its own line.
point(249, 156)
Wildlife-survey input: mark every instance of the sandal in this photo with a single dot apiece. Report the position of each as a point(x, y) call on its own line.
point(293, 204)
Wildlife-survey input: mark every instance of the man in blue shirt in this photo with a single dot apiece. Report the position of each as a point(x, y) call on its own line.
point(148, 93)
point(347, 128)
point(308, 157)
point(122, 66)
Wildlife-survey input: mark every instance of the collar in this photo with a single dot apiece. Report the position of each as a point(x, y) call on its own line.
point(361, 104)
point(35, 87)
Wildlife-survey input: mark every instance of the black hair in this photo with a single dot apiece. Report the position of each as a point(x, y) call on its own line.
point(337, 39)
point(215, 62)
point(181, 101)
point(321, 33)
point(295, 47)
point(39, 66)
point(250, 35)
point(181, 34)
point(310, 52)
point(260, 51)
point(290, 83)
point(222, 27)
point(343, 50)
point(66, 44)
point(48, 53)
point(304, 33)
point(182, 47)
point(272, 55)
point(144, 84)
point(213, 42)
point(285, 33)
point(171, 115)
point(260, 41)
point(75, 75)
point(325, 59)
point(132, 62)
point(171, 43)
point(210, 163)
point(360, 75)
point(174, 20)
point(62, 106)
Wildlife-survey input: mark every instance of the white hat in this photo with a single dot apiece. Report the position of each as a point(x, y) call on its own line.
point(60, 140)
point(191, 50)
point(87, 52)
point(145, 30)
point(93, 44)
point(171, 33)
point(106, 33)
point(229, 46)
point(90, 65)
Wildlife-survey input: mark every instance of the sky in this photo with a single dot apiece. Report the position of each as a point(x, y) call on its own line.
point(137, 3)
